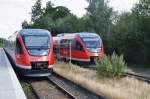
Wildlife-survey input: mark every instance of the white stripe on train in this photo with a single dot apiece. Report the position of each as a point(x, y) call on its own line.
point(78, 59)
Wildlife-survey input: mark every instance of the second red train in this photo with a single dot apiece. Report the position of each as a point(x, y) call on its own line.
point(80, 47)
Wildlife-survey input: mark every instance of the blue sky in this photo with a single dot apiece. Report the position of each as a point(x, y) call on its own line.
point(13, 12)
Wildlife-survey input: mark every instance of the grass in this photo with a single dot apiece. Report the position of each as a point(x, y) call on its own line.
point(124, 88)
point(26, 88)
point(51, 87)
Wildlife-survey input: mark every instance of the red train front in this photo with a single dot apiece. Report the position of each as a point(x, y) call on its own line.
point(81, 47)
point(32, 52)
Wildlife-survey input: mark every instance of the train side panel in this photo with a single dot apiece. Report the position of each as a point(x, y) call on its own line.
point(81, 50)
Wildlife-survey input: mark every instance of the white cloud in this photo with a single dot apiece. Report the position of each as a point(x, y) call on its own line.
point(122, 5)
point(13, 12)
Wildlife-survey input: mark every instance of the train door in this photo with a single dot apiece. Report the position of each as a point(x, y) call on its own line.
point(78, 52)
point(64, 48)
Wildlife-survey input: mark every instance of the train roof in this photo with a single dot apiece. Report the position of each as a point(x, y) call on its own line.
point(81, 34)
point(34, 32)
point(87, 34)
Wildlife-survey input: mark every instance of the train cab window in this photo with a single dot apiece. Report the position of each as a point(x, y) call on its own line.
point(78, 46)
point(18, 47)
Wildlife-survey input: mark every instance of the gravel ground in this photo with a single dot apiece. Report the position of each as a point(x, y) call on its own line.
point(47, 90)
point(77, 91)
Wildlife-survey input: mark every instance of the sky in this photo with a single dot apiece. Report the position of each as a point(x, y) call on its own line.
point(14, 12)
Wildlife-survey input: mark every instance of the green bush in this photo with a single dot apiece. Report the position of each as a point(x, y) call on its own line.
point(110, 66)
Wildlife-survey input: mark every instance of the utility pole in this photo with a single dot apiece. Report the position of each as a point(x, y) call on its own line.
point(70, 51)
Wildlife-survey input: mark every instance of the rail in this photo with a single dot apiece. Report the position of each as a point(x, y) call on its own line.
point(137, 76)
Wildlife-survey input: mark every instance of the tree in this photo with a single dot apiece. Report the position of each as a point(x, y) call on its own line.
point(143, 8)
point(124, 36)
point(25, 24)
point(36, 11)
point(100, 19)
point(61, 12)
point(131, 34)
point(49, 8)
point(100, 15)
point(142, 13)
point(2, 42)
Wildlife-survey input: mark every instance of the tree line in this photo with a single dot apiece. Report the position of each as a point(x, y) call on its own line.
point(2, 41)
point(127, 33)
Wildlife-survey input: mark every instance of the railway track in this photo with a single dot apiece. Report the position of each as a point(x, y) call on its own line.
point(137, 76)
point(140, 77)
point(76, 90)
point(53, 80)
point(57, 87)
point(45, 89)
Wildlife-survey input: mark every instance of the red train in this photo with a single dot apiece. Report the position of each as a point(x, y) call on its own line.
point(31, 51)
point(81, 47)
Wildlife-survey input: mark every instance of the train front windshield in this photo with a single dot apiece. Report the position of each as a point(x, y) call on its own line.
point(37, 44)
point(92, 43)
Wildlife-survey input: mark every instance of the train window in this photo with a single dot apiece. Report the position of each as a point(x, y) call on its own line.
point(18, 47)
point(64, 43)
point(72, 44)
point(78, 46)
point(61, 41)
